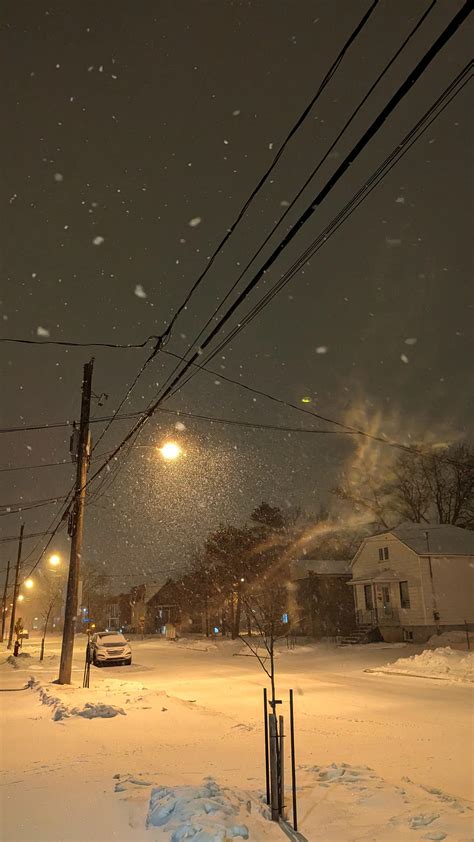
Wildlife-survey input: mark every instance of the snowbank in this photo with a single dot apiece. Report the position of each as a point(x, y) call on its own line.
point(19, 660)
point(90, 710)
point(446, 664)
point(207, 813)
point(455, 639)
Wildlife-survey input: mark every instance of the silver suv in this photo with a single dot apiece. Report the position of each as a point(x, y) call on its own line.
point(110, 648)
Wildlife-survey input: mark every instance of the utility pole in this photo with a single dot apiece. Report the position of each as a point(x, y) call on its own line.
point(15, 589)
point(4, 601)
point(76, 528)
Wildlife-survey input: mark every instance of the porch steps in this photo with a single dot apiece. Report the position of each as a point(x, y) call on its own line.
point(355, 637)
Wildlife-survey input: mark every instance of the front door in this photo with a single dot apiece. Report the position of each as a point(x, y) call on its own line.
point(386, 596)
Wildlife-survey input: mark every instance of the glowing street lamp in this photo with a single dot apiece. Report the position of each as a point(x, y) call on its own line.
point(54, 560)
point(29, 584)
point(170, 450)
point(20, 597)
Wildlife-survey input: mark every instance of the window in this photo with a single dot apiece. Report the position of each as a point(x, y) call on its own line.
point(404, 595)
point(383, 553)
point(407, 635)
point(369, 602)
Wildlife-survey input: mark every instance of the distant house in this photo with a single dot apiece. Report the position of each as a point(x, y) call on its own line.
point(414, 581)
point(118, 612)
point(323, 605)
point(139, 596)
point(170, 605)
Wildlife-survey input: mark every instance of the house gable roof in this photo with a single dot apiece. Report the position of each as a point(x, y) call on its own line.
point(427, 539)
point(439, 539)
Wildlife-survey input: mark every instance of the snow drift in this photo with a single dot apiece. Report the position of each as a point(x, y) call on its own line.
point(205, 814)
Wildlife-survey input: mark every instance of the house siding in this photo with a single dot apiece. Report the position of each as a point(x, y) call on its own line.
point(453, 579)
point(403, 561)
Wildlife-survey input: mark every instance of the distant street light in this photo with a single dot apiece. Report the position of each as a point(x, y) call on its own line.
point(20, 597)
point(54, 560)
point(170, 450)
point(29, 584)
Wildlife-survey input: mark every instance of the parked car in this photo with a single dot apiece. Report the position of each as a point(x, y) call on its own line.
point(110, 648)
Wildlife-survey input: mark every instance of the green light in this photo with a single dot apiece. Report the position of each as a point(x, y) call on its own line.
point(306, 400)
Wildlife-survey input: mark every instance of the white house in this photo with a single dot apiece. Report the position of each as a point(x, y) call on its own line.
point(415, 581)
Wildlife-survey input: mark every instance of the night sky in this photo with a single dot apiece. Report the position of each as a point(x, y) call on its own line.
point(124, 122)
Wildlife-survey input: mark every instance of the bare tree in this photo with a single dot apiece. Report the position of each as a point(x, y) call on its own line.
point(436, 486)
point(266, 607)
point(51, 585)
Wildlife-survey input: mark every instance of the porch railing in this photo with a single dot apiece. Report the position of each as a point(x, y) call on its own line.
point(384, 615)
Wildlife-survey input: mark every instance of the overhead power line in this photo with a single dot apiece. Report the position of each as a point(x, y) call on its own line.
point(164, 337)
point(8, 539)
point(349, 159)
point(316, 169)
point(78, 344)
point(436, 109)
point(327, 78)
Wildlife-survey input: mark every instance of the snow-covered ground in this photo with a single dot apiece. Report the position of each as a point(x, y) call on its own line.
point(172, 745)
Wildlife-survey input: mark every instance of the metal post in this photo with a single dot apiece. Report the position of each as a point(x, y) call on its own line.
point(467, 635)
point(76, 532)
point(267, 758)
point(281, 769)
point(274, 767)
point(293, 762)
point(4, 601)
point(15, 588)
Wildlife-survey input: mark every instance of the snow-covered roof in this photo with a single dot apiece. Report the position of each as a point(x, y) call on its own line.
point(301, 568)
point(440, 539)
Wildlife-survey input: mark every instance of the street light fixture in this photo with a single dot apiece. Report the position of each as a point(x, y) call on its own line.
point(170, 450)
point(54, 560)
point(29, 584)
point(20, 597)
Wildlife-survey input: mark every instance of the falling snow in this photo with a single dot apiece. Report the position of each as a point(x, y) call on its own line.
point(139, 291)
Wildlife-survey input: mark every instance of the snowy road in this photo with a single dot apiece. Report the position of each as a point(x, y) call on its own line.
point(193, 710)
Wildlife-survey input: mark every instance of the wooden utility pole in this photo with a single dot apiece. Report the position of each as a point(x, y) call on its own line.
point(15, 589)
point(4, 601)
point(76, 529)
